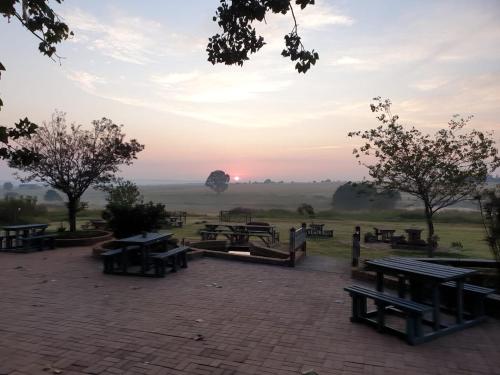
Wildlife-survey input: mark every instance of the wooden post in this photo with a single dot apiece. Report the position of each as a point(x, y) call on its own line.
point(304, 244)
point(292, 247)
point(356, 247)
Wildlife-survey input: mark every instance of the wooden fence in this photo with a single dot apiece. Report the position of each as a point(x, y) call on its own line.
point(298, 242)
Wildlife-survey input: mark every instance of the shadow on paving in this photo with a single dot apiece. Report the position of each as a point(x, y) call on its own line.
point(324, 264)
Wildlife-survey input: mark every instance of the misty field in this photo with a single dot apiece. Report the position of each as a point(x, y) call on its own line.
point(277, 203)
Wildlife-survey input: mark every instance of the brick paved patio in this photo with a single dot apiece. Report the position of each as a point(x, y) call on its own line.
point(59, 312)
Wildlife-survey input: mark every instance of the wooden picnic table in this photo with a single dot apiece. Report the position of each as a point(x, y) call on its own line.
point(15, 235)
point(420, 274)
point(240, 233)
point(142, 243)
point(385, 234)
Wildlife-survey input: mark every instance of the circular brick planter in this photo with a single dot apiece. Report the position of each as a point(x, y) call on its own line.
point(84, 241)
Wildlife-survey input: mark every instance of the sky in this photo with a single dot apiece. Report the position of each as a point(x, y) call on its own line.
point(144, 65)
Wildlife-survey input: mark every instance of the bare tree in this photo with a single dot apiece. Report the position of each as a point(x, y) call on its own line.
point(71, 159)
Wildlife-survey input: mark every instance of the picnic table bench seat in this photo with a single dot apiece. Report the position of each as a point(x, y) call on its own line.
point(413, 311)
point(172, 258)
point(38, 241)
point(476, 292)
point(114, 256)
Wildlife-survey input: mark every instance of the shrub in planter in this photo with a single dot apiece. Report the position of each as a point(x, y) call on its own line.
point(127, 214)
point(127, 221)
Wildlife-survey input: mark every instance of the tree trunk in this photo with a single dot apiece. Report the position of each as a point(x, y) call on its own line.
point(72, 210)
point(430, 231)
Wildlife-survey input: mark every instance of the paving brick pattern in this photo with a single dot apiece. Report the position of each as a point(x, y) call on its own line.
point(60, 314)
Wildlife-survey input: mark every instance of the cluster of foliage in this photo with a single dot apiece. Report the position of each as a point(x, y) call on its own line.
point(489, 204)
point(306, 209)
point(440, 170)
point(218, 181)
point(364, 196)
point(19, 210)
point(126, 212)
point(41, 20)
point(8, 186)
point(71, 159)
point(239, 37)
point(23, 129)
point(52, 196)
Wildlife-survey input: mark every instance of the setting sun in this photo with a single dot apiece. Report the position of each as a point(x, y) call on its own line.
point(236, 178)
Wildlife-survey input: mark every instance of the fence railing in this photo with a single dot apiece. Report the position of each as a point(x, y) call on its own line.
point(297, 242)
point(235, 217)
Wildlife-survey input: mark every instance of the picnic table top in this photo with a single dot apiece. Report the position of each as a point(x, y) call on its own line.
point(144, 240)
point(420, 269)
point(238, 225)
point(379, 229)
point(24, 226)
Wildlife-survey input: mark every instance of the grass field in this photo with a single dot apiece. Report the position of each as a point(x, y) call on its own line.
point(277, 203)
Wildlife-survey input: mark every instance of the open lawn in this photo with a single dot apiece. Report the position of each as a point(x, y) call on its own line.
point(470, 235)
point(277, 203)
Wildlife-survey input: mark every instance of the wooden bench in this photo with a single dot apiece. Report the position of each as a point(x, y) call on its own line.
point(38, 241)
point(477, 293)
point(115, 256)
point(109, 258)
point(413, 312)
point(172, 258)
point(319, 233)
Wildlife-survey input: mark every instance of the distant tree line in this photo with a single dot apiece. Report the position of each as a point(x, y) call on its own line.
point(364, 196)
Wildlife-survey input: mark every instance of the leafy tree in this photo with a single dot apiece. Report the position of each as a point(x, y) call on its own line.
point(41, 20)
point(306, 209)
point(22, 129)
point(239, 37)
point(440, 169)
point(122, 193)
point(363, 196)
point(52, 196)
point(8, 186)
point(489, 204)
point(71, 159)
point(218, 181)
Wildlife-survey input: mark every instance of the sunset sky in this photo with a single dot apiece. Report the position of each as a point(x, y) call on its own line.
point(143, 64)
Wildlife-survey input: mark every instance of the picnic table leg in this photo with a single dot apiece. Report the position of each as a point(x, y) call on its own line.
point(124, 260)
point(380, 281)
point(437, 307)
point(144, 260)
point(401, 286)
point(460, 301)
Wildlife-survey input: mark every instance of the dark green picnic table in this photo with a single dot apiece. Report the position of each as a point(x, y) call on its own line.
point(16, 235)
point(241, 233)
point(421, 274)
point(142, 243)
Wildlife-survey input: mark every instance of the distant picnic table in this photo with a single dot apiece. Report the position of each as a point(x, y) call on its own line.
point(384, 234)
point(415, 276)
point(317, 230)
point(239, 233)
point(26, 237)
